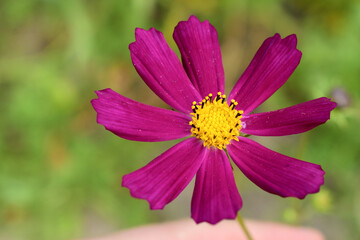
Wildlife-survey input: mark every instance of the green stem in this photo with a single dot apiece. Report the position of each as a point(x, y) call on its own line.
point(239, 218)
point(242, 224)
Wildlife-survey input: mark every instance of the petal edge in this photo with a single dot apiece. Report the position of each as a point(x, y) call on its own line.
point(270, 68)
point(161, 70)
point(215, 194)
point(291, 120)
point(136, 121)
point(275, 172)
point(165, 177)
point(201, 55)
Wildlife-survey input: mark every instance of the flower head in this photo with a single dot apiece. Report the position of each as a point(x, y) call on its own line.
point(215, 122)
point(212, 122)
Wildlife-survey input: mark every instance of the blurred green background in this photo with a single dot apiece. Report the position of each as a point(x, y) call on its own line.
point(60, 172)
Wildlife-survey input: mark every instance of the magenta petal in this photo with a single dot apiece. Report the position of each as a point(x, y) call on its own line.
point(295, 119)
point(161, 70)
point(215, 195)
point(270, 68)
point(274, 172)
point(164, 178)
point(136, 121)
point(201, 55)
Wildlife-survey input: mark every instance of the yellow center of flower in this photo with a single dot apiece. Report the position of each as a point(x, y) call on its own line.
point(215, 122)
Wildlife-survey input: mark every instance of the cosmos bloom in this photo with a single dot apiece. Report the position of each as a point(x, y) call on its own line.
point(215, 125)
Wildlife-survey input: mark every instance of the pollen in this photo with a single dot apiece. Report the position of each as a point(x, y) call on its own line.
point(215, 122)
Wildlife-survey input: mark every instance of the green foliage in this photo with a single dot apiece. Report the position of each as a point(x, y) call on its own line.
point(60, 172)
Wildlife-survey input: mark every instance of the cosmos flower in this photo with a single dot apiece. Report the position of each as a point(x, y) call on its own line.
point(214, 125)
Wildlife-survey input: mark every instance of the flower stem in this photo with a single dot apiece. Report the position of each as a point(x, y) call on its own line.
point(242, 224)
point(239, 218)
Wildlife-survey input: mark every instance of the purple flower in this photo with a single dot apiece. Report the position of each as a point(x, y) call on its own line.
point(216, 124)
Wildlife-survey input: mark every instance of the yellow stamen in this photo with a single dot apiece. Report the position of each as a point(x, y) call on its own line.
point(215, 122)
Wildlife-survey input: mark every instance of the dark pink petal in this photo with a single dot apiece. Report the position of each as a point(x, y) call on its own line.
point(296, 119)
point(164, 178)
point(270, 68)
point(274, 172)
point(215, 195)
point(201, 55)
point(136, 121)
point(161, 70)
